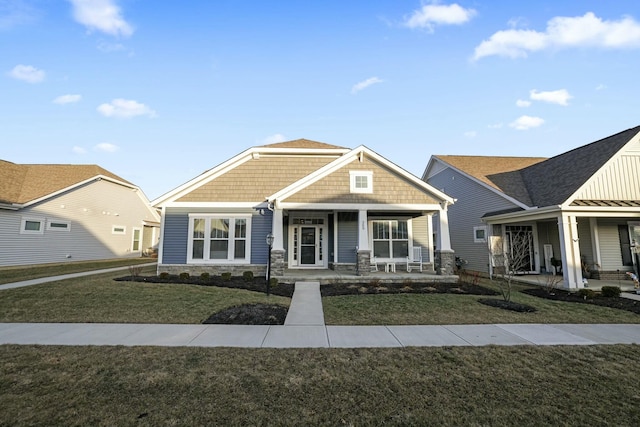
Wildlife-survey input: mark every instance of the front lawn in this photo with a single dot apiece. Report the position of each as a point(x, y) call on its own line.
point(450, 386)
point(101, 299)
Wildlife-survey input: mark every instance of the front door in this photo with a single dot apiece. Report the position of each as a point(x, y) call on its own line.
point(307, 243)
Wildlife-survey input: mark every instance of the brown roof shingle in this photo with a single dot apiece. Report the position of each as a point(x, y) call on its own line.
point(20, 183)
point(303, 143)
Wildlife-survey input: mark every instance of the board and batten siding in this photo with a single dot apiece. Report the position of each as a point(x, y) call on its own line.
point(347, 237)
point(473, 201)
point(420, 235)
point(260, 227)
point(91, 210)
point(610, 248)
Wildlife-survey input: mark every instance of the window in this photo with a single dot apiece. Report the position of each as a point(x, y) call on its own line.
point(219, 238)
point(137, 240)
point(56, 225)
point(118, 229)
point(32, 226)
point(361, 181)
point(390, 238)
point(480, 234)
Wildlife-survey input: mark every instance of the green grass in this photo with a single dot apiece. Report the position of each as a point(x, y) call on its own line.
point(28, 272)
point(150, 386)
point(447, 309)
point(101, 299)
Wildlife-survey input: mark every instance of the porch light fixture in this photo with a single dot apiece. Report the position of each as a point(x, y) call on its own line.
point(270, 244)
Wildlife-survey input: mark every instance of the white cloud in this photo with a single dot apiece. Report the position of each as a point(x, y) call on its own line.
point(273, 139)
point(601, 87)
point(523, 103)
point(78, 150)
point(101, 15)
point(560, 97)
point(125, 109)
point(364, 84)
point(106, 147)
point(27, 73)
point(67, 99)
point(471, 134)
point(496, 126)
point(563, 32)
point(526, 122)
point(431, 15)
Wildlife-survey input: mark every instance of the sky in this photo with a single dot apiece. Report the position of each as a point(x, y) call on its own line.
point(158, 92)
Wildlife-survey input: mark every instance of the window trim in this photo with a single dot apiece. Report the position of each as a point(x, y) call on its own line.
point(477, 239)
point(353, 177)
point(67, 227)
point(114, 231)
point(231, 239)
point(23, 223)
point(133, 239)
point(409, 239)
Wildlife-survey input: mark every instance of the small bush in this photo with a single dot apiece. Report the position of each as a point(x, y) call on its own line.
point(247, 276)
point(184, 276)
point(226, 276)
point(586, 293)
point(374, 282)
point(164, 275)
point(273, 282)
point(610, 291)
point(134, 270)
point(205, 277)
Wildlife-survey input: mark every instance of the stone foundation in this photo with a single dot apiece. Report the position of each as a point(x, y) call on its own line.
point(445, 262)
point(343, 267)
point(277, 263)
point(214, 270)
point(610, 275)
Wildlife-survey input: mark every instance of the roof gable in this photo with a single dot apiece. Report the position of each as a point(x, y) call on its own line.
point(303, 143)
point(21, 184)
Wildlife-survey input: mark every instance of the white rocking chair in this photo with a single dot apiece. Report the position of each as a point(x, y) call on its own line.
point(415, 259)
point(374, 264)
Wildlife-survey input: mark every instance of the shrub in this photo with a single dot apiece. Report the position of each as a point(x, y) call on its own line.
point(610, 291)
point(164, 275)
point(273, 282)
point(586, 293)
point(184, 276)
point(248, 276)
point(205, 277)
point(374, 282)
point(134, 270)
point(226, 276)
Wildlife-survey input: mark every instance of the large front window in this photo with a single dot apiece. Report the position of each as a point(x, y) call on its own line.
point(390, 238)
point(219, 238)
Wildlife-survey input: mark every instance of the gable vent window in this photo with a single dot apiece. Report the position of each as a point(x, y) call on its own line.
point(361, 181)
point(56, 225)
point(32, 226)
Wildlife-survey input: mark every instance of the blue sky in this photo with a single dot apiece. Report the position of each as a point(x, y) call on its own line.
point(159, 92)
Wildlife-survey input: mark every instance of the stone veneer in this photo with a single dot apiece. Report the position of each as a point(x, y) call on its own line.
point(197, 270)
point(445, 262)
point(364, 263)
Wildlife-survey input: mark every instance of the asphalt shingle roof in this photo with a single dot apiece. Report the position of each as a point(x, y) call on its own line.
point(302, 143)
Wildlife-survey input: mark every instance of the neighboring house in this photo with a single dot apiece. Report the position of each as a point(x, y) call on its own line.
point(327, 207)
point(581, 208)
point(57, 213)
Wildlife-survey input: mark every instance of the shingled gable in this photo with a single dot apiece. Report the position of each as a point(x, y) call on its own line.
point(422, 193)
point(21, 184)
point(255, 173)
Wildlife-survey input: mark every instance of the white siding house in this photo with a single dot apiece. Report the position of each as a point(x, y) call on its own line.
point(58, 213)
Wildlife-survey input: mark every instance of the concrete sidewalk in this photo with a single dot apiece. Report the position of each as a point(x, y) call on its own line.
point(316, 336)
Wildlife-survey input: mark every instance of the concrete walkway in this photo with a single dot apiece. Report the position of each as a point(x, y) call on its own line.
point(304, 328)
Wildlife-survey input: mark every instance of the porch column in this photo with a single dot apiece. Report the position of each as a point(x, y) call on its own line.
point(444, 255)
point(570, 251)
point(364, 251)
point(430, 238)
point(277, 249)
point(595, 242)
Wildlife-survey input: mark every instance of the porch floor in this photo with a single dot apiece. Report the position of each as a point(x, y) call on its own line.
point(596, 285)
point(325, 276)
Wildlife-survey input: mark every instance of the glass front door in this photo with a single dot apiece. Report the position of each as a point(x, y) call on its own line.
point(308, 246)
point(307, 243)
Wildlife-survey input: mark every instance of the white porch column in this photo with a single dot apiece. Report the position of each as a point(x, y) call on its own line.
point(595, 240)
point(363, 231)
point(570, 250)
point(276, 230)
point(430, 237)
point(444, 240)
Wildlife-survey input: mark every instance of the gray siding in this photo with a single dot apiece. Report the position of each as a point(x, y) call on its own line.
point(347, 236)
point(260, 227)
point(92, 210)
point(174, 241)
point(473, 201)
point(585, 242)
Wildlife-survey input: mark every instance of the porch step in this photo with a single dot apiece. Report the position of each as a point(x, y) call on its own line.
point(306, 306)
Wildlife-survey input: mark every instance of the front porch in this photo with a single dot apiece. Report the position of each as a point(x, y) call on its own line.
point(332, 276)
point(594, 284)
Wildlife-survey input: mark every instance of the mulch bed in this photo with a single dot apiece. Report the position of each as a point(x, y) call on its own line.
point(507, 305)
point(250, 314)
point(612, 302)
point(337, 289)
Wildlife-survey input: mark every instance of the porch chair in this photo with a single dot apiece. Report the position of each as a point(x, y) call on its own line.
point(374, 264)
point(415, 259)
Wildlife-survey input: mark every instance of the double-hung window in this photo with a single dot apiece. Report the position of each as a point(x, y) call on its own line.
point(390, 238)
point(219, 238)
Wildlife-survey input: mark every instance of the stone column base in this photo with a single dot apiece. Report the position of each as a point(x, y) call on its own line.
point(277, 263)
point(364, 263)
point(445, 262)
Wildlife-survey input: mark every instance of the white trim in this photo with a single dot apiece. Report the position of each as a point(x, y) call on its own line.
point(325, 239)
point(231, 238)
point(409, 239)
point(25, 219)
point(133, 234)
point(66, 228)
point(353, 184)
point(358, 206)
point(222, 205)
point(477, 239)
